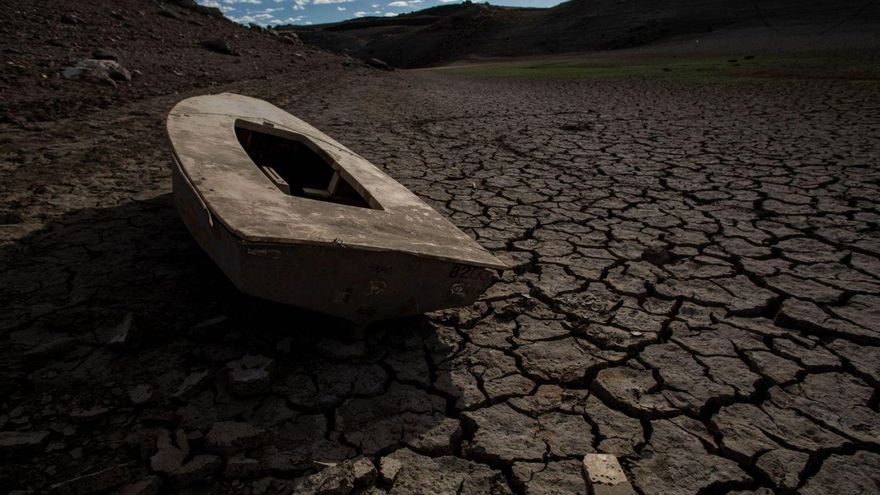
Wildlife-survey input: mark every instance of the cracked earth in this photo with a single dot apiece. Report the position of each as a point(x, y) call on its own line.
point(695, 289)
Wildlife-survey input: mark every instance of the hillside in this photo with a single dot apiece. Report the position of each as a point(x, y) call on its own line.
point(164, 47)
point(453, 32)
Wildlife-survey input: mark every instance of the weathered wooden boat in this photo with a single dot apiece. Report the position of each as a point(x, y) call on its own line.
point(291, 215)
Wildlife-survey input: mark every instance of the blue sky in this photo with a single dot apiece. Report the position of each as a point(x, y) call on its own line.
point(274, 12)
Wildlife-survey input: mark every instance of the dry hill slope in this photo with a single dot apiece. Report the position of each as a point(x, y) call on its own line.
point(447, 33)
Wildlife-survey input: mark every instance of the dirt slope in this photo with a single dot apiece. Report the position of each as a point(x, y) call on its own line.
point(443, 34)
point(158, 42)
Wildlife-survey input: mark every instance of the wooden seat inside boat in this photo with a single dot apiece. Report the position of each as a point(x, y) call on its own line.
point(295, 165)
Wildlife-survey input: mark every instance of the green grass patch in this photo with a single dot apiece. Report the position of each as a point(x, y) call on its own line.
point(719, 69)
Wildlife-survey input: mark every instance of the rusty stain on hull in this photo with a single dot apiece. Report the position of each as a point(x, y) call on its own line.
point(395, 257)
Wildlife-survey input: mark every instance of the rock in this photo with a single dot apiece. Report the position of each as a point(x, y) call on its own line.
point(855, 473)
point(401, 415)
point(104, 54)
point(565, 435)
point(809, 357)
point(192, 384)
point(122, 333)
point(199, 470)
point(834, 399)
point(620, 433)
point(141, 394)
point(364, 472)
point(250, 375)
point(633, 390)
point(554, 478)
point(675, 462)
point(440, 439)
point(783, 467)
point(686, 382)
point(219, 46)
point(230, 437)
point(379, 64)
point(94, 482)
point(605, 476)
point(339, 479)
point(563, 360)
point(150, 485)
point(804, 315)
point(238, 467)
point(503, 435)
point(775, 368)
point(864, 358)
point(106, 71)
point(169, 456)
point(17, 443)
point(388, 469)
point(421, 475)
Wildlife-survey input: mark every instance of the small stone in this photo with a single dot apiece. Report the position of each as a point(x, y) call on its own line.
point(141, 394)
point(229, 437)
point(605, 476)
point(192, 384)
point(109, 72)
point(169, 456)
point(250, 375)
point(364, 472)
point(200, 469)
point(326, 482)
point(122, 333)
point(388, 469)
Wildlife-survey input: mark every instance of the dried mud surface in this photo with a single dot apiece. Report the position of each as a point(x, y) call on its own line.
point(696, 291)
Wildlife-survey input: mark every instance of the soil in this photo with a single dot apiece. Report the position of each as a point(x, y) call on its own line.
point(695, 282)
point(448, 33)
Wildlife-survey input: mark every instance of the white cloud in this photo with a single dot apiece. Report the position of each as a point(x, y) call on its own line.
point(360, 13)
point(340, 9)
point(398, 3)
point(261, 19)
point(390, 14)
point(324, 2)
point(255, 2)
point(217, 5)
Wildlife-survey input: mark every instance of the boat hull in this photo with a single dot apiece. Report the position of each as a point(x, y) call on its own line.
point(351, 283)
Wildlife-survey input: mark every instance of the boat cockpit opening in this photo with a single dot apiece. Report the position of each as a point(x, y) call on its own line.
point(296, 166)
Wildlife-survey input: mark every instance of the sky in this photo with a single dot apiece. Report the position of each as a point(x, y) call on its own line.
point(275, 12)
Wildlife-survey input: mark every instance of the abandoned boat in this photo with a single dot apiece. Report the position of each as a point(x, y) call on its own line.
point(291, 215)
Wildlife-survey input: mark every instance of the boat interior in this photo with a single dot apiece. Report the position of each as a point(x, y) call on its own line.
point(297, 166)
